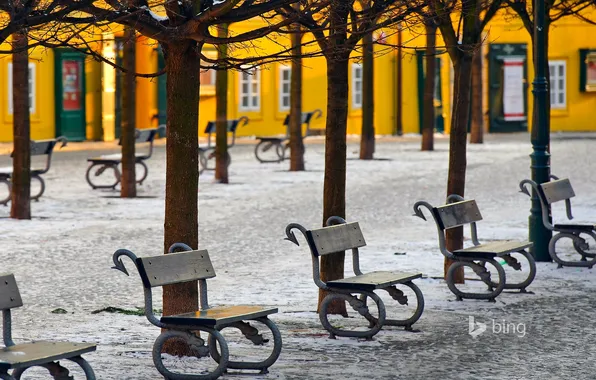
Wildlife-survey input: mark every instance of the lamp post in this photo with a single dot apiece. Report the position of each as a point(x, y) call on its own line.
point(540, 157)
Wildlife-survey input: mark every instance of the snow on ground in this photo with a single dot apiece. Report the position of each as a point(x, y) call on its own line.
point(62, 259)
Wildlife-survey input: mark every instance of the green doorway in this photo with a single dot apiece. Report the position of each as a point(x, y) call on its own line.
point(70, 94)
point(161, 89)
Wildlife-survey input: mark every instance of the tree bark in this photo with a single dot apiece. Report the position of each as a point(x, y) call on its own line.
point(20, 207)
point(128, 188)
point(477, 128)
point(221, 95)
point(296, 141)
point(367, 137)
point(399, 91)
point(456, 181)
point(428, 107)
point(182, 172)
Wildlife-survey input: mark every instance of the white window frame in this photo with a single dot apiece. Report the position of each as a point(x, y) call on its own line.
point(283, 96)
point(357, 94)
point(254, 98)
point(555, 89)
point(32, 89)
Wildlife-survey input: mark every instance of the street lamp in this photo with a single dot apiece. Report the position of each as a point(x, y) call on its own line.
point(540, 157)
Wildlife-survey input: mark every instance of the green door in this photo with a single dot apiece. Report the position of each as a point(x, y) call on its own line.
point(438, 100)
point(508, 87)
point(119, 46)
point(70, 94)
point(161, 90)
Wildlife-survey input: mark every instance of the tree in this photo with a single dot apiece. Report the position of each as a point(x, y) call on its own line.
point(428, 107)
point(221, 113)
point(128, 186)
point(296, 141)
point(367, 137)
point(337, 28)
point(461, 49)
point(477, 125)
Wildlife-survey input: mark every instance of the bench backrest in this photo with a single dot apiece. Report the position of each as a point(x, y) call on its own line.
point(41, 147)
point(174, 268)
point(143, 136)
point(232, 126)
point(304, 118)
point(555, 191)
point(336, 238)
point(9, 292)
point(457, 214)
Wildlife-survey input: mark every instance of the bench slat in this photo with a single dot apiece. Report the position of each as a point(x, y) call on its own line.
point(174, 268)
point(31, 354)
point(458, 214)
point(374, 280)
point(558, 190)
point(219, 315)
point(10, 296)
point(498, 247)
point(336, 238)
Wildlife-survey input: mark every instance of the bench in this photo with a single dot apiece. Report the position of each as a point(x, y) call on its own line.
point(281, 144)
point(204, 157)
point(20, 357)
point(111, 161)
point(459, 212)
point(38, 148)
point(556, 191)
point(183, 264)
point(339, 236)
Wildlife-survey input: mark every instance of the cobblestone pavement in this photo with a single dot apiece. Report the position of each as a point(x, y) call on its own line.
point(62, 259)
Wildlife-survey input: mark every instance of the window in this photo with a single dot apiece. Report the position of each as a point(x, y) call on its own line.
point(31, 87)
point(250, 90)
point(285, 77)
point(558, 85)
point(207, 77)
point(356, 85)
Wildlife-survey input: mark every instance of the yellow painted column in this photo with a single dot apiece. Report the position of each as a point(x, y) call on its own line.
point(108, 95)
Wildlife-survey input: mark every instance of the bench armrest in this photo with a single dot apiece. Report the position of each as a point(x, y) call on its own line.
point(544, 205)
point(441, 234)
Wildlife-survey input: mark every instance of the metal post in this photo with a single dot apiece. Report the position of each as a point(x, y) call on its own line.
point(540, 157)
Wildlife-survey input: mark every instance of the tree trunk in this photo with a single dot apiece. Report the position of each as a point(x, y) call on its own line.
point(399, 91)
point(477, 129)
point(182, 171)
point(457, 147)
point(128, 188)
point(221, 111)
point(367, 137)
point(20, 207)
point(428, 108)
point(296, 141)
point(334, 189)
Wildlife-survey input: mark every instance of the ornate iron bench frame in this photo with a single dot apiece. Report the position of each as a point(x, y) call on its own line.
point(459, 212)
point(281, 144)
point(20, 357)
point(339, 236)
point(183, 264)
point(204, 156)
point(38, 148)
point(552, 192)
point(111, 161)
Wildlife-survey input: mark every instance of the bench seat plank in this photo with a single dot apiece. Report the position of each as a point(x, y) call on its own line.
point(575, 227)
point(116, 157)
point(374, 280)
point(30, 354)
point(496, 247)
point(278, 139)
point(219, 315)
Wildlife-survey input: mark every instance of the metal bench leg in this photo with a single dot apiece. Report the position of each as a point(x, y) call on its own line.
point(102, 168)
point(197, 344)
point(42, 188)
point(5, 376)
point(251, 333)
point(375, 324)
point(54, 368)
point(402, 299)
point(513, 263)
point(9, 185)
point(145, 172)
point(85, 366)
point(579, 244)
point(480, 270)
point(264, 146)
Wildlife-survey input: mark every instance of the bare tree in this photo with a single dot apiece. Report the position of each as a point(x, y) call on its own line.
point(367, 137)
point(221, 112)
point(128, 186)
point(428, 107)
point(296, 141)
point(477, 114)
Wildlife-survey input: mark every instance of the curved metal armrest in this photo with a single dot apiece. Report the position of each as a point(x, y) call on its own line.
point(291, 237)
point(441, 234)
point(544, 205)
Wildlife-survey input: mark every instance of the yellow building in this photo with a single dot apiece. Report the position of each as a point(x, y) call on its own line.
point(78, 97)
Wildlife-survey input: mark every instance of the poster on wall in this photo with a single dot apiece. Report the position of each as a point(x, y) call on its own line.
point(71, 85)
point(513, 89)
point(591, 72)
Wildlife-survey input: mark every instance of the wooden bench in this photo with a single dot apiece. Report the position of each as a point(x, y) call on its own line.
point(38, 148)
point(111, 161)
point(556, 191)
point(205, 156)
point(20, 357)
point(190, 265)
point(459, 212)
point(280, 145)
point(339, 236)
